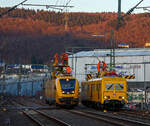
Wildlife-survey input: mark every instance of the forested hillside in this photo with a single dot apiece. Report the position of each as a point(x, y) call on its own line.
point(28, 34)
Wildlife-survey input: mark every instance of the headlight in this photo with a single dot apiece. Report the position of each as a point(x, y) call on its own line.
point(63, 92)
point(72, 92)
point(123, 97)
point(105, 97)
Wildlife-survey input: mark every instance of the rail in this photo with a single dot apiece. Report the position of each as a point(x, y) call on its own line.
point(40, 117)
point(115, 120)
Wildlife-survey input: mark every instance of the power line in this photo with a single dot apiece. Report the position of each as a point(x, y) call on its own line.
point(48, 6)
point(131, 10)
point(11, 9)
point(58, 7)
point(144, 8)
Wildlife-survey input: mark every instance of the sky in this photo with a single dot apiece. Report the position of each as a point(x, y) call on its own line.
point(83, 5)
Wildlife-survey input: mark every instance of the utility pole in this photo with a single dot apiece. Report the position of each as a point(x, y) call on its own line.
point(67, 16)
point(66, 20)
point(112, 50)
point(19, 81)
point(112, 41)
point(119, 13)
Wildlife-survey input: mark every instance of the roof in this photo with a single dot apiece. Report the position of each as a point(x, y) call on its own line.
point(118, 52)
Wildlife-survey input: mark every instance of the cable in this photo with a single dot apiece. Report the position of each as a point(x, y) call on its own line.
point(11, 9)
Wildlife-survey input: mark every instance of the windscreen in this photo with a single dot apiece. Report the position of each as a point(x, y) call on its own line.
point(114, 86)
point(67, 83)
point(109, 86)
point(119, 86)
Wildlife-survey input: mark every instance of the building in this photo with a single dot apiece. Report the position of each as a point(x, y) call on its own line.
point(129, 61)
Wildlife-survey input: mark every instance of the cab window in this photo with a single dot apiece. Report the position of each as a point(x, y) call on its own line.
point(67, 83)
point(108, 86)
point(118, 86)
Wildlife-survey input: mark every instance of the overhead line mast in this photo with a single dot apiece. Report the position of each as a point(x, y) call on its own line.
point(66, 16)
point(120, 18)
point(58, 7)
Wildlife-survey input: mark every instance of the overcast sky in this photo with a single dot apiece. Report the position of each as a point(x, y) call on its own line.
point(83, 5)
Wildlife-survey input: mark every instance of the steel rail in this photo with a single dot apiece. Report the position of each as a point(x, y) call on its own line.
point(22, 106)
point(96, 117)
point(58, 121)
point(53, 119)
point(135, 122)
point(135, 114)
point(104, 117)
point(32, 118)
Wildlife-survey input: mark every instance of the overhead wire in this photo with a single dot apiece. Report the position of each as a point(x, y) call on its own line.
point(12, 8)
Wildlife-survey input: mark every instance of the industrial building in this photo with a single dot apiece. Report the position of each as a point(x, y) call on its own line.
point(128, 61)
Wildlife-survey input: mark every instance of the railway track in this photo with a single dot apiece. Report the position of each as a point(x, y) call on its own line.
point(140, 115)
point(110, 119)
point(44, 119)
point(39, 117)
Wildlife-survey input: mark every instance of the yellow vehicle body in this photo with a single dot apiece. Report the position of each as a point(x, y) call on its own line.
point(106, 92)
point(63, 90)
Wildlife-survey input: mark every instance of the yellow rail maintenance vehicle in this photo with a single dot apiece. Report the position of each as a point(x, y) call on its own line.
point(62, 89)
point(106, 91)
